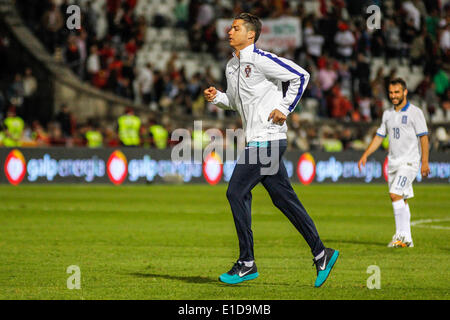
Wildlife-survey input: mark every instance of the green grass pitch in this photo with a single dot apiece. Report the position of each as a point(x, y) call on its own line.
point(172, 242)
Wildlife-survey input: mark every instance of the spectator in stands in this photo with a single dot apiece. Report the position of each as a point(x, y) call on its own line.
point(181, 14)
point(377, 85)
point(393, 40)
point(195, 38)
point(111, 139)
point(361, 73)
point(313, 41)
point(346, 136)
point(378, 42)
point(115, 73)
point(93, 63)
point(66, 123)
point(315, 91)
point(81, 43)
point(39, 135)
point(327, 76)
point(16, 93)
point(441, 80)
point(442, 139)
point(52, 23)
point(344, 40)
point(418, 51)
point(444, 41)
point(340, 106)
point(432, 23)
point(100, 79)
point(412, 13)
point(364, 104)
point(90, 17)
point(144, 84)
point(345, 80)
point(56, 135)
point(205, 14)
point(407, 35)
point(72, 55)
point(30, 86)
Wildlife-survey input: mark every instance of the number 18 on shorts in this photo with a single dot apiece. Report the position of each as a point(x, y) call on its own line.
point(400, 182)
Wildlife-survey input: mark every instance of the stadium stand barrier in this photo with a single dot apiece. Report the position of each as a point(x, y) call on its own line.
point(144, 166)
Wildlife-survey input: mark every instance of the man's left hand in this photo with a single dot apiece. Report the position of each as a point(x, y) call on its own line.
point(277, 117)
point(425, 170)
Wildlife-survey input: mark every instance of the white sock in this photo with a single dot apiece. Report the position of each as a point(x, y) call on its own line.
point(400, 215)
point(406, 222)
point(249, 264)
point(319, 256)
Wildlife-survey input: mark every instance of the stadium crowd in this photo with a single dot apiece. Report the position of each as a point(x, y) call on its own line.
point(337, 50)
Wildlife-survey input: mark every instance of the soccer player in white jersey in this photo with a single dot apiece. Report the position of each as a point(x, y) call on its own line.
point(408, 153)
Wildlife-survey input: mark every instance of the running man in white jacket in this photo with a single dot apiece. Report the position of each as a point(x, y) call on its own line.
point(254, 89)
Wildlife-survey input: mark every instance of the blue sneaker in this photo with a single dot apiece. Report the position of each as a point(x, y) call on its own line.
point(324, 265)
point(239, 273)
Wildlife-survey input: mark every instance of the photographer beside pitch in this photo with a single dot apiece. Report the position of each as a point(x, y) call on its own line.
point(406, 127)
point(254, 89)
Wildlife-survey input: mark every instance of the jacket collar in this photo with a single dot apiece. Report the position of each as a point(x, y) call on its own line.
point(246, 52)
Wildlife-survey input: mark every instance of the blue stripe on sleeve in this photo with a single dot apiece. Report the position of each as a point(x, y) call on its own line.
point(288, 67)
point(422, 134)
point(380, 135)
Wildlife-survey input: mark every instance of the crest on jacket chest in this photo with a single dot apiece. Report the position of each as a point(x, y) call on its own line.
point(247, 70)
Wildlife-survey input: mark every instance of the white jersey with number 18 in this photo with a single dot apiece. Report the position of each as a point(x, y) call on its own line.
point(404, 128)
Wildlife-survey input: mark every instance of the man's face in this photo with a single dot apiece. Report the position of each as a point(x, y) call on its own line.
point(238, 35)
point(397, 94)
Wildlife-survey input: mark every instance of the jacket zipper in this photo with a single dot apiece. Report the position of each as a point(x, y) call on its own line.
point(239, 95)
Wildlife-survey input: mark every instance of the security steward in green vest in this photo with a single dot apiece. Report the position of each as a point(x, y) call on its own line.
point(159, 135)
point(333, 145)
point(93, 136)
point(14, 126)
point(200, 139)
point(129, 129)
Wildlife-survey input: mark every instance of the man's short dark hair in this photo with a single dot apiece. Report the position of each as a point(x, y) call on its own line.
point(251, 22)
point(398, 81)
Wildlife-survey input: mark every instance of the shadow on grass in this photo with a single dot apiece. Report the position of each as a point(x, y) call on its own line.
point(365, 243)
point(200, 280)
point(187, 279)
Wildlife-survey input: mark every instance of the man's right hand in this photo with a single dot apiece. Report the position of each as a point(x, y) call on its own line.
point(210, 94)
point(362, 162)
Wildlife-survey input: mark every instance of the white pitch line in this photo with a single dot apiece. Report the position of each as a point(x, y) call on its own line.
point(420, 223)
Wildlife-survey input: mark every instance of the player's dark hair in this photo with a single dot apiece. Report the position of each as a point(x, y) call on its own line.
point(398, 81)
point(252, 23)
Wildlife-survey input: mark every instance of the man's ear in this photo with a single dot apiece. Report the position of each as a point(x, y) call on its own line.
point(251, 35)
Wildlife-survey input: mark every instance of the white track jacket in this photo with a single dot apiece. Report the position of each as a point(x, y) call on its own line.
point(254, 89)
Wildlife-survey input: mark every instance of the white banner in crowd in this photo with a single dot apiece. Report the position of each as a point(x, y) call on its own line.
point(277, 35)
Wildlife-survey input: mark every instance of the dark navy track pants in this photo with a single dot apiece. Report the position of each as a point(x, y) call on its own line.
point(262, 162)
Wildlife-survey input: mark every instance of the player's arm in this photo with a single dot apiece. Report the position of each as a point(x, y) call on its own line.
point(425, 170)
point(420, 126)
point(284, 70)
point(375, 143)
point(220, 99)
point(373, 146)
